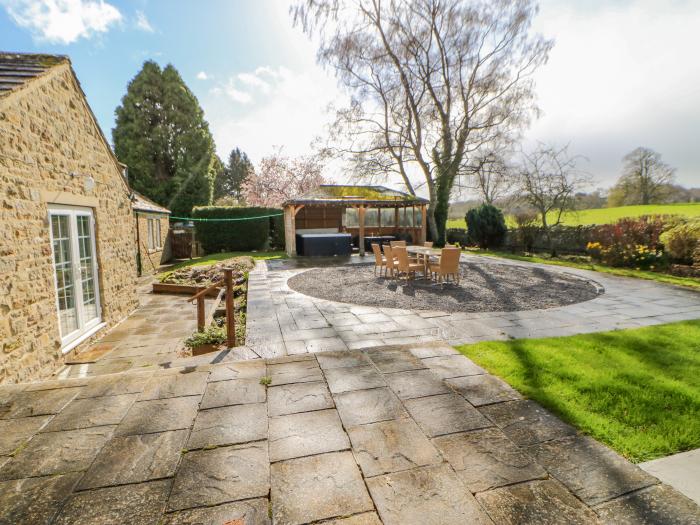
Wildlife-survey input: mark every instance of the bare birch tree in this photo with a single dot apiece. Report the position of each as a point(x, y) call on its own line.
point(489, 175)
point(432, 81)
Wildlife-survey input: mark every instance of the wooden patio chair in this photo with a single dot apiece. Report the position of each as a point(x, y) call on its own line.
point(428, 244)
point(447, 266)
point(390, 258)
point(379, 260)
point(407, 266)
point(394, 244)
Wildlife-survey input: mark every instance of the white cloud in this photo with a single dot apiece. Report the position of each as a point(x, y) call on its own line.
point(63, 21)
point(202, 76)
point(142, 22)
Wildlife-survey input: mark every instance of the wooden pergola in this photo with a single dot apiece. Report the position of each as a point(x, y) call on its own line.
point(325, 210)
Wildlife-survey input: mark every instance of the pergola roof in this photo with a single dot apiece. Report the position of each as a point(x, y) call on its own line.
point(349, 195)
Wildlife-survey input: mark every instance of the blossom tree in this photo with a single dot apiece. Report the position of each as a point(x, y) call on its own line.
point(279, 178)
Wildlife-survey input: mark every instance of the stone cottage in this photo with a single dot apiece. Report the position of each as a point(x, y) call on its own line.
point(153, 246)
point(67, 264)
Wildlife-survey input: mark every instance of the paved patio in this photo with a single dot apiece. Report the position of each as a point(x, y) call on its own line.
point(402, 434)
point(284, 322)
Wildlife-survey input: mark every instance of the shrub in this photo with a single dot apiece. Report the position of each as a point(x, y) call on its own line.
point(681, 241)
point(486, 226)
point(213, 335)
point(527, 228)
point(457, 236)
point(632, 242)
point(244, 235)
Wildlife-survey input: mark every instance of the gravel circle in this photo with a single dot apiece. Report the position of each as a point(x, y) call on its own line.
point(484, 287)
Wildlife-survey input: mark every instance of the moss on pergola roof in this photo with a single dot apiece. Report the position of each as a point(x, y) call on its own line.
point(349, 195)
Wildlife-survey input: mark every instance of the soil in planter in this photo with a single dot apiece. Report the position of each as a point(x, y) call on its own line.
point(213, 273)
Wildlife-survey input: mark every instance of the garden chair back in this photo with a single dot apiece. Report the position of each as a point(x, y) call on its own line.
point(448, 265)
point(428, 244)
point(389, 257)
point(405, 265)
point(394, 244)
point(379, 261)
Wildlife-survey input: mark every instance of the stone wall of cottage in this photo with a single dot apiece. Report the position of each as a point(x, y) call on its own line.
point(46, 133)
point(152, 259)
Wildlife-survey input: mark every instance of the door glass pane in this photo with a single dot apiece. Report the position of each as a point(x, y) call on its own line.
point(64, 273)
point(87, 273)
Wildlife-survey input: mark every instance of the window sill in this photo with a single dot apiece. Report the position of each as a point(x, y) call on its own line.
point(70, 346)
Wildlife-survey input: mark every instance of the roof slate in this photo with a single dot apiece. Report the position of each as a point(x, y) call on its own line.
point(142, 203)
point(16, 69)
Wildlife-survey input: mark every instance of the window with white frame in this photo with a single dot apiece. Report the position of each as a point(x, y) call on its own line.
point(154, 239)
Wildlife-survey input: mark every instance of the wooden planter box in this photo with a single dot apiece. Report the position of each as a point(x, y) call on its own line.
point(181, 289)
point(205, 349)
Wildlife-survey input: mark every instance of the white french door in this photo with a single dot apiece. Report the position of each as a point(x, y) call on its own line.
point(75, 270)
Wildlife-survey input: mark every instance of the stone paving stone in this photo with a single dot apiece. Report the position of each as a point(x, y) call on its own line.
point(445, 414)
point(140, 504)
point(254, 369)
point(38, 403)
point(234, 392)
point(657, 505)
point(221, 475)
point(416, 383)
point(55, 384)
point(368, 406)
point(394, 360)
point(229, 425)
point(391, 446)
point(175, 384)
point(452, 366)
point(112, 385)
point(295, 372)
point(339, 320)
point(298, 397)
point(353, 378)
point(306, 433)
point(84, 413)
point(367, 518)
point(290, 359)
point(317, 487)
point(14, 432)
point(486, 459)
point(526, 423)
point(342, 359)
point(373, 318)
point(590, 470)
point(134, 459)
point(483, 389)
point(432, 349)
point(425, 496)
point(543, 502)
point(362, 344)
point(57, 453)
point(159, 415)
point(34, 500)
point(325, 344)
point(249, 512)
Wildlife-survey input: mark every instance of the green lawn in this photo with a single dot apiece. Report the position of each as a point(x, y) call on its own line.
point(636, 390)
point(688, 282)
point(215, 257)
point(610, 215)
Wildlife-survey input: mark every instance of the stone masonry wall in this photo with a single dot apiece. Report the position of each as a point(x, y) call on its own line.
point(47, 132)
point(152, 259)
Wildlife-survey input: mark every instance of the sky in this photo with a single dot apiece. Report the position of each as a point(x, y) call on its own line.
point(622, 74)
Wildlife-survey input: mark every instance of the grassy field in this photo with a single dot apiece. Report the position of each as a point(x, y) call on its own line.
point(688, 282)
point(636, 390)
point(609, 215)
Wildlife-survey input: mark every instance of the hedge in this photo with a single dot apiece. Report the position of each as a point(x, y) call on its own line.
point(244, 235)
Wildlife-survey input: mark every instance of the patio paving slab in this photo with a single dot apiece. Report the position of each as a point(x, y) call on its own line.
point(239, 370)
point(249, 512)
point(342, 359)
point(448, 366)
point(425, 496)
point(368, 518)
point(221, 475)
point(34, 500)
point(234, 392)
point(445, 414)
point(175, 384)
point(306, 433)
point(84, 413)
point(416, 383)
point(368, 406)
point(590, 470)
point(159, 415)
point(527, 423)
point(37, 403)
point(140, 504)
point(116, 384)
point(353, 378)
point(14, 432)
point(135, 459)
point(294, 372)
point(486, 459)
point(317, 487)
point(229, 425)
point(483, 389)
point(681, 471)
point(394, 360)
point(57, 453)
point(298, 397)
point(432, 349)
point(657, 505)
point(391, 446)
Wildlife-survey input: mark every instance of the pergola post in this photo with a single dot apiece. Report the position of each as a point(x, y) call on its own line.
point(361, 220)
point(423, 224)
point(290, 239)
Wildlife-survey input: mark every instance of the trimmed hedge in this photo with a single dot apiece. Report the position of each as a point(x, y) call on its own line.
point(246, 235)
